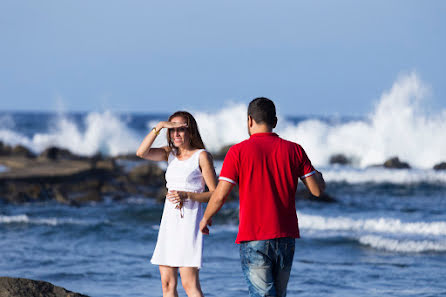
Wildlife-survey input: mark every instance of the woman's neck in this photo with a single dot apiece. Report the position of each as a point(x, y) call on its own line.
point(184, 150)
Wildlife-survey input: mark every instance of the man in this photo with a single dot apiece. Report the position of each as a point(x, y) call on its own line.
point(266, 168)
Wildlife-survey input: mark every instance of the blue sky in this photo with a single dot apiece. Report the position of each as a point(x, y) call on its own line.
point(310, 57)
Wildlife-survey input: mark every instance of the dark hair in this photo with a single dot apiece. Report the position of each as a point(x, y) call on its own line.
point(262, 110)
point(192, 127)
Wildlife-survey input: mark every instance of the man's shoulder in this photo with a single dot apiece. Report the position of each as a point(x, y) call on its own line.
point(289, 143)
point(240, 145)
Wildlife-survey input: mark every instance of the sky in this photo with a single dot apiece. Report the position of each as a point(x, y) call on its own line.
point(310, 57)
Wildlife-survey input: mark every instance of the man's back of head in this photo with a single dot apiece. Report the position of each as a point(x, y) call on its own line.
point(263, 111)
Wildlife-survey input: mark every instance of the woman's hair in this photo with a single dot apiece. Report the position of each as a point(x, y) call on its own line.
point(192, 127)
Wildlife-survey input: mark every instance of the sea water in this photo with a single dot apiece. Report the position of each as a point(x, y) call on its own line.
point(384, 236)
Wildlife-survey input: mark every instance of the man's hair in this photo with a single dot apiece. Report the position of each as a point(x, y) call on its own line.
point(262, 110)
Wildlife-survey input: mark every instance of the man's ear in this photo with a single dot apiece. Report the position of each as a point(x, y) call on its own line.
point(275, 122)
point(250, 121)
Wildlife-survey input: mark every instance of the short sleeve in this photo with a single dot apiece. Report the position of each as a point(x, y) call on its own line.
point(306, 169)
point(230, 169)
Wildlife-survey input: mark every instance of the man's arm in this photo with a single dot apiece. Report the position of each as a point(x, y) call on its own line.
point(217, 200)
point(315, 184)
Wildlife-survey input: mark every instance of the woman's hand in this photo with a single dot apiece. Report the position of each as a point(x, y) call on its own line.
point(170, 125)
point(177, 197)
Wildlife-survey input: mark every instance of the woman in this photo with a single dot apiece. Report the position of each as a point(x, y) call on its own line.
point(190, 167)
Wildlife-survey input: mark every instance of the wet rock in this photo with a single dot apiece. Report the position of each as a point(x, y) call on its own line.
point(55, 153)
point(128, 157)
point(395, 163)
point(148, 174)
point(21, 151)
point(340, 159)
point(22, 192)
point(89, 196)
point(440, 166)
point(21, 287)
point(5, 150)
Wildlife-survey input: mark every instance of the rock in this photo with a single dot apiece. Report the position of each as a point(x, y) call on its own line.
point(90, 196)
point(395, 163)
point(21, 192)
point(5, 150)
point(21, 287)
point(21, 151)
point(147, 174)
point(340, 159)
point(128, 157)
point(440, 166)
point(55, 153)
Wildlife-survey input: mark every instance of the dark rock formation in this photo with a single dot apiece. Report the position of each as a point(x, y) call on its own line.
point(55, 153)
point(21, 151)
point(64, 177)
point(395, 163)
point(5, 150)
point(440, 166)
point(340, 159)
point(129, 157)
point(57, 174)
point(21, 287)
point(147, 173)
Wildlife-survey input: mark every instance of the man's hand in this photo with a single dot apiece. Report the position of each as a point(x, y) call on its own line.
point(204, 225)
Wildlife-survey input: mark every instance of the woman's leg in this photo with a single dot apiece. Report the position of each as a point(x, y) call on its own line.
point(191, 281)
point(169, 278)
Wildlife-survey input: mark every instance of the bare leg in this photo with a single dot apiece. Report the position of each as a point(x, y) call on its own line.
point(191, 281)
point(169, 279)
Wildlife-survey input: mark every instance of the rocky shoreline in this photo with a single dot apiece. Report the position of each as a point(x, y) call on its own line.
point(59, 175)
point(22, 287)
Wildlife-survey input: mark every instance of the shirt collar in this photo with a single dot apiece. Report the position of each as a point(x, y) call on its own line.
point(264, 134)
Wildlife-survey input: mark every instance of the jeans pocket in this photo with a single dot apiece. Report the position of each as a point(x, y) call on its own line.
point(254, 253)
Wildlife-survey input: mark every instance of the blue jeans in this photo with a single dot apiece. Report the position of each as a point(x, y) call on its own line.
point(266, 265)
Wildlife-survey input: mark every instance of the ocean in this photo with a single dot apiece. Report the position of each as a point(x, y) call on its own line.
point(384, 236)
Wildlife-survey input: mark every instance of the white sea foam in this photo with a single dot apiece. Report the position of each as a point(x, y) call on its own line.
point(227, 126)
point(104, 132)
point(380, 233)
point(25, 219)
point(398, 126)
point(408, 246)
point(382, 175)
point(379, 225)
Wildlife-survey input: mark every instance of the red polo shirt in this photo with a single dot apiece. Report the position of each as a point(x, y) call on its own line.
point(267, 169)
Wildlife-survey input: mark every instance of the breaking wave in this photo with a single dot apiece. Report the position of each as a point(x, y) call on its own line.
point(380, 233)
point(25, 219)
point(399, 125)
point(405, 246)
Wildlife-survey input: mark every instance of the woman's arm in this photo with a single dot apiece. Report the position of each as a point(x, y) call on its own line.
point(207, 169)
point(145, 150)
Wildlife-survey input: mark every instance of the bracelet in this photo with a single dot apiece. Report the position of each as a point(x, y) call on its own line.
point(156, 133)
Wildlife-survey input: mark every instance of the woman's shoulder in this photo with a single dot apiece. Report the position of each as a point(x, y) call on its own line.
point(205, 156)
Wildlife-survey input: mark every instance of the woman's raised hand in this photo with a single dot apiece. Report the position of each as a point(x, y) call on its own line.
point(170, 125)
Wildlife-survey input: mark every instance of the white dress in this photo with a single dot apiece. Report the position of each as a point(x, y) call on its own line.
point(180, 241)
